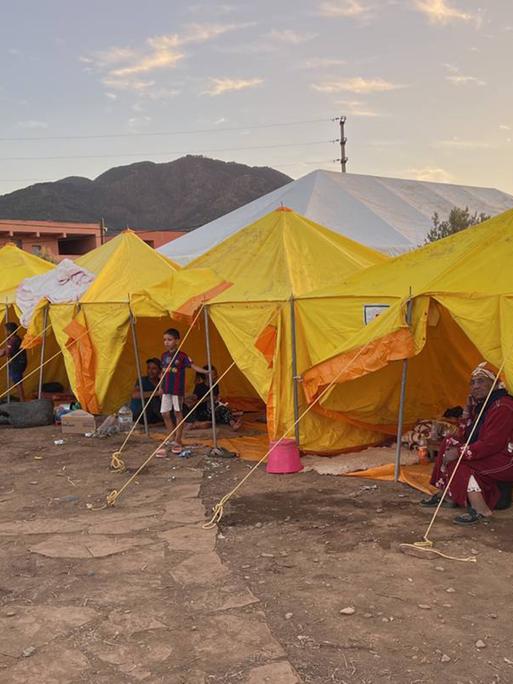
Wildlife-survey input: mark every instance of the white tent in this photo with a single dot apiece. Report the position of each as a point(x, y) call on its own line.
point(388, 214)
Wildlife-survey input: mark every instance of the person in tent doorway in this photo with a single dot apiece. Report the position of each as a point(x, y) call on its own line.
point(16, 358)
point(201, 418)
point(174, 364)
point(484, 478)
point(149, 383)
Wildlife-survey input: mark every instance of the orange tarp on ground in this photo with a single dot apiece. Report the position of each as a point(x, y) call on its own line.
point(417, 476)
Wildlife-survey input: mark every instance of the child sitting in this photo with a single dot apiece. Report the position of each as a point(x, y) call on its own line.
point(202, 415)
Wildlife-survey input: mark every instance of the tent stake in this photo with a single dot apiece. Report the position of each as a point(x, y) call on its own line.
point(400, 419)
point(7, 360)
point(211, 390)
point(43, 350)
point(138, 367)
point(295, 387)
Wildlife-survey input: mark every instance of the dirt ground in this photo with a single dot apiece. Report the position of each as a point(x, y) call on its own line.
point(140, 592)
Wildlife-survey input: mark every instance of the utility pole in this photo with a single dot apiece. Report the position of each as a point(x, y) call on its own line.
point(342, 140)
point(102, 231)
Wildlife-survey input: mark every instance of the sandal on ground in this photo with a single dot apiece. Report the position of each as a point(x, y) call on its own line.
point(471, 517)
point(177, 449)
point(161, 452)
point(435, 500)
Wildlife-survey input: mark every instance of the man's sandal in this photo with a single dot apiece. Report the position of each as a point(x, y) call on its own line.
point(471, 517)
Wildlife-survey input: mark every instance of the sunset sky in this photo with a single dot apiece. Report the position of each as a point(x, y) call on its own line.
point(426, 85)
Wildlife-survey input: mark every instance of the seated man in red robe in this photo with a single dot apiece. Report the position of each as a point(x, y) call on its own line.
point(487, 463)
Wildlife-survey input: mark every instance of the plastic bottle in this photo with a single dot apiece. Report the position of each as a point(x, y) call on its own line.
point(125, 420)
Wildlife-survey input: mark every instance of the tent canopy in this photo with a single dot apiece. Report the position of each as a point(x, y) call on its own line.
point(387, 214)
point(133, 282)
point(462, 312)
point(15, 266)
point(280, 256)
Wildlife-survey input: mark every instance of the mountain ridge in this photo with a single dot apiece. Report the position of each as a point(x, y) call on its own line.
point(178, 195)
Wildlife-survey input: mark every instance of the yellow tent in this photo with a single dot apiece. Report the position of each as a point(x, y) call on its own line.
point(95, 333)
point(461, 312)
point(15, 266)
point(271, 262)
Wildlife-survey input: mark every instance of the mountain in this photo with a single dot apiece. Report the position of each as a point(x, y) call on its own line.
point(177, 195)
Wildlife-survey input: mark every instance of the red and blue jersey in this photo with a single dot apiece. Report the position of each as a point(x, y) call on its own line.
point(174, 378)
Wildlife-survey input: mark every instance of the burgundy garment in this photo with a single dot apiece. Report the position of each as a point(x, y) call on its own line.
point(489, 459)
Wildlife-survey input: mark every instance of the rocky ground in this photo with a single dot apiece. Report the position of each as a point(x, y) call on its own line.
point(302, 582)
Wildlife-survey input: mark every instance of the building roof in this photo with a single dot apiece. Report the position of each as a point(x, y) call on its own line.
point(388, 214)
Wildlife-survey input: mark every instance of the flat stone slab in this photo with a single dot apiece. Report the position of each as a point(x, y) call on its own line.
point(184, 511)
point(135, 659)
point(52, 665)
point(273, 673)
point(124, 526)
point(38, 625)
point(185, 490)
point(202, 568)
point(41, 526)
point(231, 640)
point(223, 597)
point(84, 546)
point(192, 538)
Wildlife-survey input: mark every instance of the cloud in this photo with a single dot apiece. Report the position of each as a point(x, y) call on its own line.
point(122, 66)
point(458, 143)
point(504, 127)
point(357, 108)
point(456, 77)
point(137, 122)
point(219, 86)
point(441, 12)
point(433, 174)
point(32, 124)
point(343, 8)
point(111, 96)
point(321, 63)
point(357, 85)
point(128, 84)
point(291, 37)
point(460, 79)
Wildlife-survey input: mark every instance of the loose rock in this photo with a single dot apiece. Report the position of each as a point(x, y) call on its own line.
point(480, 644)
point(348, 611)
point(445, 658)
point(27, 652)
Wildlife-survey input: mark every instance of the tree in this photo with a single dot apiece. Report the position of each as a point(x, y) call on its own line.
point(458, 220)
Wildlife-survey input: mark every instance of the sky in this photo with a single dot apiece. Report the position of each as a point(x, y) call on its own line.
point(426, 86)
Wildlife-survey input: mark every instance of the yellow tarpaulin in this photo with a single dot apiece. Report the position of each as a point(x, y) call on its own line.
point(132, 279)
point(15, 266)
point(462, 312)
point(281, 256)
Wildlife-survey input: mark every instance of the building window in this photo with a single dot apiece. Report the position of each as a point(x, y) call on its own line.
point(36, 249)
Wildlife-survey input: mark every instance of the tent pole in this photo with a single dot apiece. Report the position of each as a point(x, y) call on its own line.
point(209, 363)
point(8, 379)
point(43, 350)
point(295, 387)
point(138, 367)
point(400, 419)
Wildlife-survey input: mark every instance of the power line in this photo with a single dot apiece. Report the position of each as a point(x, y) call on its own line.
point(162, 133)
point(167, 154)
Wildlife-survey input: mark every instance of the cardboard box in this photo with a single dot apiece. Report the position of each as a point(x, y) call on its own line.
point(78, 422)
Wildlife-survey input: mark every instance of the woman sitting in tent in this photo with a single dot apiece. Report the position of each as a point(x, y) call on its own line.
point(486, 468)
point(201, 417)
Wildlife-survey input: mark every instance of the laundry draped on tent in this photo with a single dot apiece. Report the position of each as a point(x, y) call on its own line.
point(94, 333)
point(281, 256)
point(461, 294)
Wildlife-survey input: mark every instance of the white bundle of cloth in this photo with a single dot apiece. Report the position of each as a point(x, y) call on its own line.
point(67, 282)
